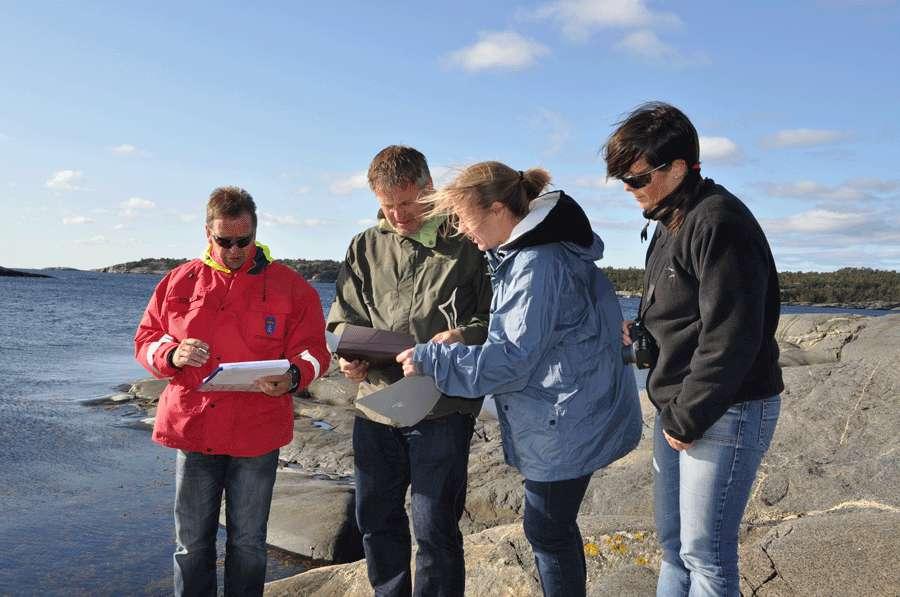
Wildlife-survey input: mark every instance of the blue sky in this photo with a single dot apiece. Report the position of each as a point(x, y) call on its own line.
point(118, 119)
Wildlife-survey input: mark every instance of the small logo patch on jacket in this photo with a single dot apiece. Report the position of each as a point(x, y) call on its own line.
point(270, 325)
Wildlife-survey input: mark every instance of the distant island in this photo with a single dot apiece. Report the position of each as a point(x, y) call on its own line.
point(853, 287)
point(314, 270)
point(13, 273)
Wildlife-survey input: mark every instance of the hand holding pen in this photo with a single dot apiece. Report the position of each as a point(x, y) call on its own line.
point(191, 352)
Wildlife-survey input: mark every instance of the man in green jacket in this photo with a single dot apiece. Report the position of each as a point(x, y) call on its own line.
point(410, 273)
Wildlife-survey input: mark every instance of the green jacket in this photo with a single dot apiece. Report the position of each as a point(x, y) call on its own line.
point(392, 282)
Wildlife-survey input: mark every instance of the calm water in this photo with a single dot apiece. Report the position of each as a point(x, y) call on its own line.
point(85, 500)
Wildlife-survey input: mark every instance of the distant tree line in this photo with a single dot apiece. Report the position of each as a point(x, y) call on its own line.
point(850, 285)
point(319, 270)
point(629, 280)
point(846, 285)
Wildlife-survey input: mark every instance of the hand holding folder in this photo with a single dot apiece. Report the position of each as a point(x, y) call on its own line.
point(377, 347)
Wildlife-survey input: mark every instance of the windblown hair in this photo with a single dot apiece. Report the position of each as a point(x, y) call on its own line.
point(481, 184)
point(398, 166)
point(230, 202)
point(661, 134)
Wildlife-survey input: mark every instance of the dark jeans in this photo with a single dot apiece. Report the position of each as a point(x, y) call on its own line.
point(200, 480)
point(551, 527)
point(432, 457)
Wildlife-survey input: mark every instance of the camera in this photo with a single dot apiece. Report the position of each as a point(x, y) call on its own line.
point(643, 350)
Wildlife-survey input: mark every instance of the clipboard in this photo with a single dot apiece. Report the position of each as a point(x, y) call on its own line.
point(242, 376)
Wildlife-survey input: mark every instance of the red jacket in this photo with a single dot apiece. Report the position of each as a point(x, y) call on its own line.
point(262, 311)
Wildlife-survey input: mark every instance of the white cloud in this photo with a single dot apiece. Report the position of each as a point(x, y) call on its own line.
point(65, 180)
point(579, 18)
point(598, 182)
point(70, 220)
point(304, 190)
point(124, 149)
point(874, 185)
point(818, 221)
point(138, 203)
point(804, 138)
point(851, 190)
point(367, 222)
point(354, 182)
point(187, 218)
point(135, 205)
point(94, 240)
point(498, 50)
point(269, 220)
point(646, 45)
point(719, 149)
point(831, 238)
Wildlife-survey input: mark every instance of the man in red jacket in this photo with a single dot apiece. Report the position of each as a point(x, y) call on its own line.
point(233, 304)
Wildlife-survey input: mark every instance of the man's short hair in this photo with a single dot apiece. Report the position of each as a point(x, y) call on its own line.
point(230, 202)
point(398, 166)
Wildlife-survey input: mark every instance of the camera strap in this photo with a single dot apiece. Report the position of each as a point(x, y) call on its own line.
point(647, 296)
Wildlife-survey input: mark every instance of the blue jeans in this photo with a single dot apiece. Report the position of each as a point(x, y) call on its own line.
point(432, 457)
point(551, 527)
point(700, 495)
point(200, 480)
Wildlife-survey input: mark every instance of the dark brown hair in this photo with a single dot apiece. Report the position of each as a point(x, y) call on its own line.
point(398, 166)
point(230, 202)
point(661, 134)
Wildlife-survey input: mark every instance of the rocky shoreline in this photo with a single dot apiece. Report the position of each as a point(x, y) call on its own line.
point(823, 519)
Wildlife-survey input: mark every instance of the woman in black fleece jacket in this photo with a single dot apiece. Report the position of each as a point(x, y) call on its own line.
point(711, 302)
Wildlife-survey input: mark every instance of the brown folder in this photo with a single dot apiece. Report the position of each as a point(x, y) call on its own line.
point(378, 347)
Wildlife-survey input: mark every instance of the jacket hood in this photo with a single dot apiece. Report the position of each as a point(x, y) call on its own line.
point(556, 218)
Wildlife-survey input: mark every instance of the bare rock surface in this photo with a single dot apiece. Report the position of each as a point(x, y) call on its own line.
point(823, 517)
point(848, 553)
point(313, 518)
point(621, 557)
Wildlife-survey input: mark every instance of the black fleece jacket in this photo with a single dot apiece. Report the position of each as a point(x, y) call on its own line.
point(711, 301)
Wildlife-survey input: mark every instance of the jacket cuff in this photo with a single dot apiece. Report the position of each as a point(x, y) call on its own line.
point(309, 367)
point(473, 334)
point(670, 425)
point(159, 357)
point(424, 364)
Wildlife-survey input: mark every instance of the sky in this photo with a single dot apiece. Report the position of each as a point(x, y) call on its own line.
point(117, 119)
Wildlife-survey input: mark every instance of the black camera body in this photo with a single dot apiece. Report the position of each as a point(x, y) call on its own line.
point(643, 350)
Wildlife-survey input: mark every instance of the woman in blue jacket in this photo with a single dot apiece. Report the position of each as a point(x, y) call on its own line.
point(552, 361)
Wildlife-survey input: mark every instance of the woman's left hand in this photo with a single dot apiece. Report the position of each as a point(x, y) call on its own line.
point(405, 358)
point(676, 444)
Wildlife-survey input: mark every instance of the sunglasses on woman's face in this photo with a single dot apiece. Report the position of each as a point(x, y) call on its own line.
point(227, 243)
point(637, 181)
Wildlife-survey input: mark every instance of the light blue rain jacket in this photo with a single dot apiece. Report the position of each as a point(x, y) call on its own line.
point(567, 403)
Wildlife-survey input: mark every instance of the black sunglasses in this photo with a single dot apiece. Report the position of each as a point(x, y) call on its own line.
point(227, 243)
point(637, 181)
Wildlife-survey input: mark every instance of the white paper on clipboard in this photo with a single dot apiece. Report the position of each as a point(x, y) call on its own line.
point(242, 376)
